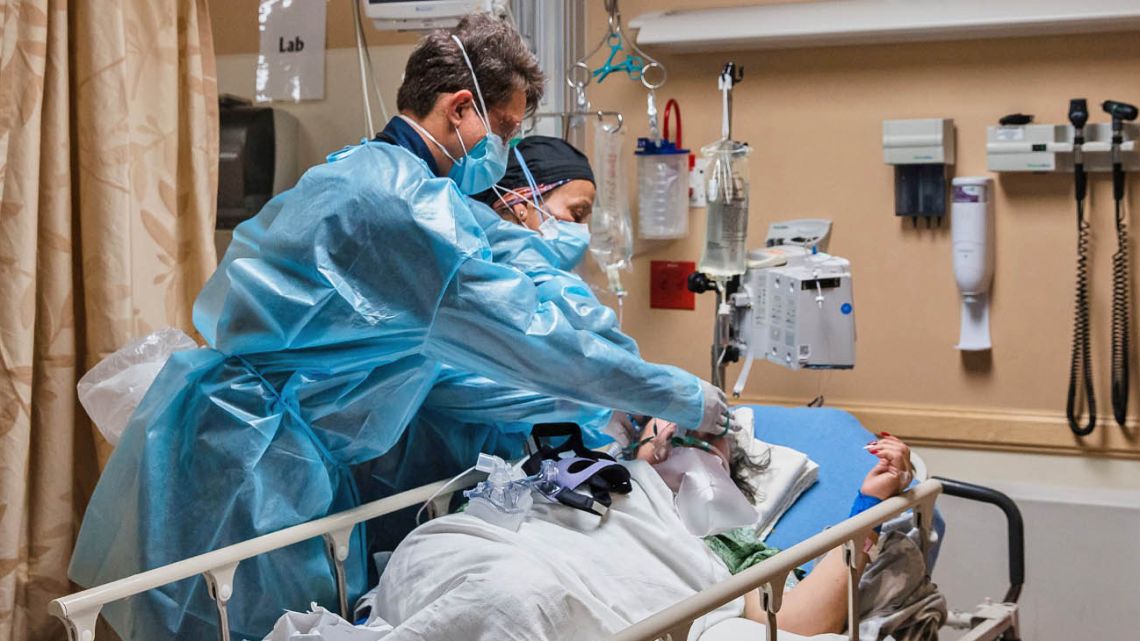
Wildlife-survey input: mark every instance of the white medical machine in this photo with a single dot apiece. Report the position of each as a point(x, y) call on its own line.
point(793, 305)
point(972, 231)
point(794, 308)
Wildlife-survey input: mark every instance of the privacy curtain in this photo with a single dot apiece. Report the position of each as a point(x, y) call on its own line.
point(108, 173)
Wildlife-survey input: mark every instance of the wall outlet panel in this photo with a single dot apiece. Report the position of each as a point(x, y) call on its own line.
point(697, 183)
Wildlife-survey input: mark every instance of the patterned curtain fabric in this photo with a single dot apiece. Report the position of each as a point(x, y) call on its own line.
point(108, 176)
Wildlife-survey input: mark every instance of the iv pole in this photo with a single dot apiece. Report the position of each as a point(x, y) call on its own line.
point(722, 351)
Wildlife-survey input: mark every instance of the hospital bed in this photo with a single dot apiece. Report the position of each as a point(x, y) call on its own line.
point(828, 436)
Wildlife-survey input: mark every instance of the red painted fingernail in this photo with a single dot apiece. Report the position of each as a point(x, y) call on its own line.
point(874, 451)
point(884, 433)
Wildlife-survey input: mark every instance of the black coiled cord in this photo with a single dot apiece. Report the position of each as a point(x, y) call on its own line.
point(1121, 322)
point(1080, 370)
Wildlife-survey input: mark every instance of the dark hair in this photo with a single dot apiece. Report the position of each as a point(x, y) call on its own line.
point(742, 467)
point(502, 62)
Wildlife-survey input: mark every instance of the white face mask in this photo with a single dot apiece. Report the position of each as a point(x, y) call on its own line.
point(707, 500)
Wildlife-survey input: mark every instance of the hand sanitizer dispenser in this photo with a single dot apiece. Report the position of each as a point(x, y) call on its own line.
point(972, 231)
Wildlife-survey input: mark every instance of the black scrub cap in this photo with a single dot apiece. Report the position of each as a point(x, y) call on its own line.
point(549, 159)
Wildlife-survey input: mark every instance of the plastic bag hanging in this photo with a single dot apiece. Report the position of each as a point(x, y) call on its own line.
point(611, 233)
point(111, 390)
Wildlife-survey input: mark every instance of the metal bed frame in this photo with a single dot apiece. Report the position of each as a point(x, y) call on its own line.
point(988, 622)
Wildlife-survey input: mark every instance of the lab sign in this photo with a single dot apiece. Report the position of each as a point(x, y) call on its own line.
point(291, 63)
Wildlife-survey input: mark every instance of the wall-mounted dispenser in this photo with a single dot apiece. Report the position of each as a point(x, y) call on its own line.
point(257, 158)
point(921, 151)
point(972, 231)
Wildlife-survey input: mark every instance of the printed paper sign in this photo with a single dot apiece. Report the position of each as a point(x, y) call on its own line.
point(291, 65)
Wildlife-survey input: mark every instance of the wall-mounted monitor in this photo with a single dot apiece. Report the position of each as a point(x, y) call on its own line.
point(400, 15)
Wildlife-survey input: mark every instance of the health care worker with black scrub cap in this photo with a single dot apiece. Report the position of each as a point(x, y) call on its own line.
point(564, 188)
point(327, 323)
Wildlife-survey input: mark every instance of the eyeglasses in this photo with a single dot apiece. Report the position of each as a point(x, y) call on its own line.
point(505, 126)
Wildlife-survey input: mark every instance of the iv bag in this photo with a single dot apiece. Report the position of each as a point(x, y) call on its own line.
point(726, 188)
point(611, 233)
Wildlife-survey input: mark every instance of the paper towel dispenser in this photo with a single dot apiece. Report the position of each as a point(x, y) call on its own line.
point(256, 158)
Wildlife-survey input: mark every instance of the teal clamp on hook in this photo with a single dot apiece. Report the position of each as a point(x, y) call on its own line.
point(631, 64)
point(636, 64)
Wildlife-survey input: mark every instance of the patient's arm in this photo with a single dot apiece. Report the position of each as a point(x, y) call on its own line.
point(818, 604)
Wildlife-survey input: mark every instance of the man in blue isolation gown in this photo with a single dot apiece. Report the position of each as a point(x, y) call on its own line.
point(328, 321)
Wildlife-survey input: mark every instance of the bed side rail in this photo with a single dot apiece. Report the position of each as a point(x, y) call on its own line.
point(1015, 527)
point(769, 575)
point(80, 611)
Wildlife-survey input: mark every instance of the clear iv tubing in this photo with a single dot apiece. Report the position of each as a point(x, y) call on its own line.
point(364, 59)
point(360, 48)
point(441, 490)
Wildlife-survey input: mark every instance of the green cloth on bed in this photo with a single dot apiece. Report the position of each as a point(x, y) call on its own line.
point(742, 548)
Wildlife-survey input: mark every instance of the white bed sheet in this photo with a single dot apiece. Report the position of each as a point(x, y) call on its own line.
point(565, 575)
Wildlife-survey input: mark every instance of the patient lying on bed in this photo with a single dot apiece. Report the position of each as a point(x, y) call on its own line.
point(566, 574)
point(818, 605)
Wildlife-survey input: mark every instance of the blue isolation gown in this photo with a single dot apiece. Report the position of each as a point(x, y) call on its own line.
point(329, 321)
point(466, 413)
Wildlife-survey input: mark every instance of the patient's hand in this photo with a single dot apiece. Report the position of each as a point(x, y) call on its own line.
point(892, 473)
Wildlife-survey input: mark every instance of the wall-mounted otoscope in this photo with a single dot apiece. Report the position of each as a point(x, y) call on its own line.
point(1121, 112)
point(1121, 275)
point(1080, 366)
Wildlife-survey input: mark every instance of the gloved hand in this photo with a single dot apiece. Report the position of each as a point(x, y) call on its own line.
point(623, 429)
point(717, 418)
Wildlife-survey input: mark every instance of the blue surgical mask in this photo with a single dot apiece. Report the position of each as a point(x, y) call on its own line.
point(481, 166)
point(486, 162)
point(570, 243)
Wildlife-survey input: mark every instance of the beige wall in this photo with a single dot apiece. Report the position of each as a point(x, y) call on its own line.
point(814, 118)
point(235, 27)
point(323, 126)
